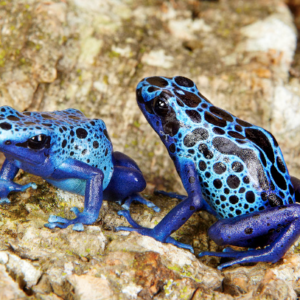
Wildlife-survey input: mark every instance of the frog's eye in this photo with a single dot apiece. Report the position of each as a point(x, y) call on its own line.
point(161, 106)
point(38, 142)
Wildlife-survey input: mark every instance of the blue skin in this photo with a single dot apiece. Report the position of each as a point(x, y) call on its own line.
point(228, 167)
point(71, 152)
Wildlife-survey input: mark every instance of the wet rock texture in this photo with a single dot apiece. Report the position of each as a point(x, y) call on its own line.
point(90, 55)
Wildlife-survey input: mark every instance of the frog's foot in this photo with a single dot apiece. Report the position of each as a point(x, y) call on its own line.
point(136, 197)
point(170, 194)
point(148, 231)
point(82, 218)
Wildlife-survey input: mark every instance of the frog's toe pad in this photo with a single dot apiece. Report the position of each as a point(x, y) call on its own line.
point(78, 227)
point(52, 225)
point(4, 201)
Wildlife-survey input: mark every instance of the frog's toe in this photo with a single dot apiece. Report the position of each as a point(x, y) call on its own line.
point(27, 186)
point(153, 206)
point(55, 219)
point(53, 225)
point(4, 201)
point(180, 245)
point(78, 227)
point(126, 214)
point(75, 210)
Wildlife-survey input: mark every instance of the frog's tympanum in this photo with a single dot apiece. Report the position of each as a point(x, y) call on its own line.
point(71, 152)
point(228, 167)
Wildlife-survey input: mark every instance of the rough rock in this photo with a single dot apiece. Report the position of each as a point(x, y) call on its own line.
point(90, 55)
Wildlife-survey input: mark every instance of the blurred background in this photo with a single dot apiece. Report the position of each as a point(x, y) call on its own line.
point(91, 54)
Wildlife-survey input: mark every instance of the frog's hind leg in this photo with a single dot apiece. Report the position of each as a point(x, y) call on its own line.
point(126, 183)
point(283, 221)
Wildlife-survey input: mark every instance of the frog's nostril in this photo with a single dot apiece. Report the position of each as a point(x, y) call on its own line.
point(8, 142)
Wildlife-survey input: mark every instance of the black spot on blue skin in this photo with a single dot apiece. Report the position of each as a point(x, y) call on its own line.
point(60, 130)
point(195, 136)
point(278, 178)
point(233, 181)
point(183, 81)
point(106, 152)
point(274, 200)
point(261, 140)
point(205, 151)
point(7, 142)
point(5, 126)
point(242, 190)
point(81, 133)
point(72, 133)
point(179, 102)
point(64, 144)
point(207, 175)
point(172, 148)
point(189, 99)
point(83, 151)
point(280, 165)
point(222, 114)
point(157, 81)
point(236, 135)
point(95, 144)
point(92, 123)
point(219, 168)
point(71, 153)
point(237, 167)
point(202, 165)
point(212, 119)
point(217, 183)
point(233, 199)
point(152, 89)
point(238, 128)
point(226, 191)
point(192, 179)
point(194, 116)
point(218, 130)
point(250, 197)
point(13, 118)
point(106, 134)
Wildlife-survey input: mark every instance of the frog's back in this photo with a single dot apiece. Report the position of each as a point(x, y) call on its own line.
point(240, 165)
point(72, 135)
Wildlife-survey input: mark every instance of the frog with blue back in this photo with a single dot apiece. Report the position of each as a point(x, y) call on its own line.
point(71, 152)
point(228, 167)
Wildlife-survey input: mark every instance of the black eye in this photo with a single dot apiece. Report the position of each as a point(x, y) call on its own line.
point(38, 142)
point(161, 107)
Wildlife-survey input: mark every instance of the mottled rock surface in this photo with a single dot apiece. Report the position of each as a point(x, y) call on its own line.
point(90, 55)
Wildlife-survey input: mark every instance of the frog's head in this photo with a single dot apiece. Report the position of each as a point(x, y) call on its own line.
point(170, 105)
point(24, 136)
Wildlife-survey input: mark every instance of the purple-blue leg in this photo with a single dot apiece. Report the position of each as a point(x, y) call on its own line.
point(93, 194)
point(7, 174)
point(280, 225)
point(170, 194)
point(126, 182)
point(178, 215)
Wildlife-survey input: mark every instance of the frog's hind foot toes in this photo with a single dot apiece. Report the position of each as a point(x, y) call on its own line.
point(4, 201)
point(179, 244)
point(141, 200)
point(127, 216)
point(56, 221)
point(75, 210)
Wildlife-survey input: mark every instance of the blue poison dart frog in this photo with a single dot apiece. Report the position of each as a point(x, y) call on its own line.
point(228, 167)
point(71, 152)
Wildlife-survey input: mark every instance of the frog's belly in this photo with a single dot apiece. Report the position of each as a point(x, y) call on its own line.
point(72, 185)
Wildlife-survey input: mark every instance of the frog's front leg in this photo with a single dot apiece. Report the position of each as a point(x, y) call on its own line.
point(279, 225)
point(178, 215)
point(7, 174)
point(93, 193)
